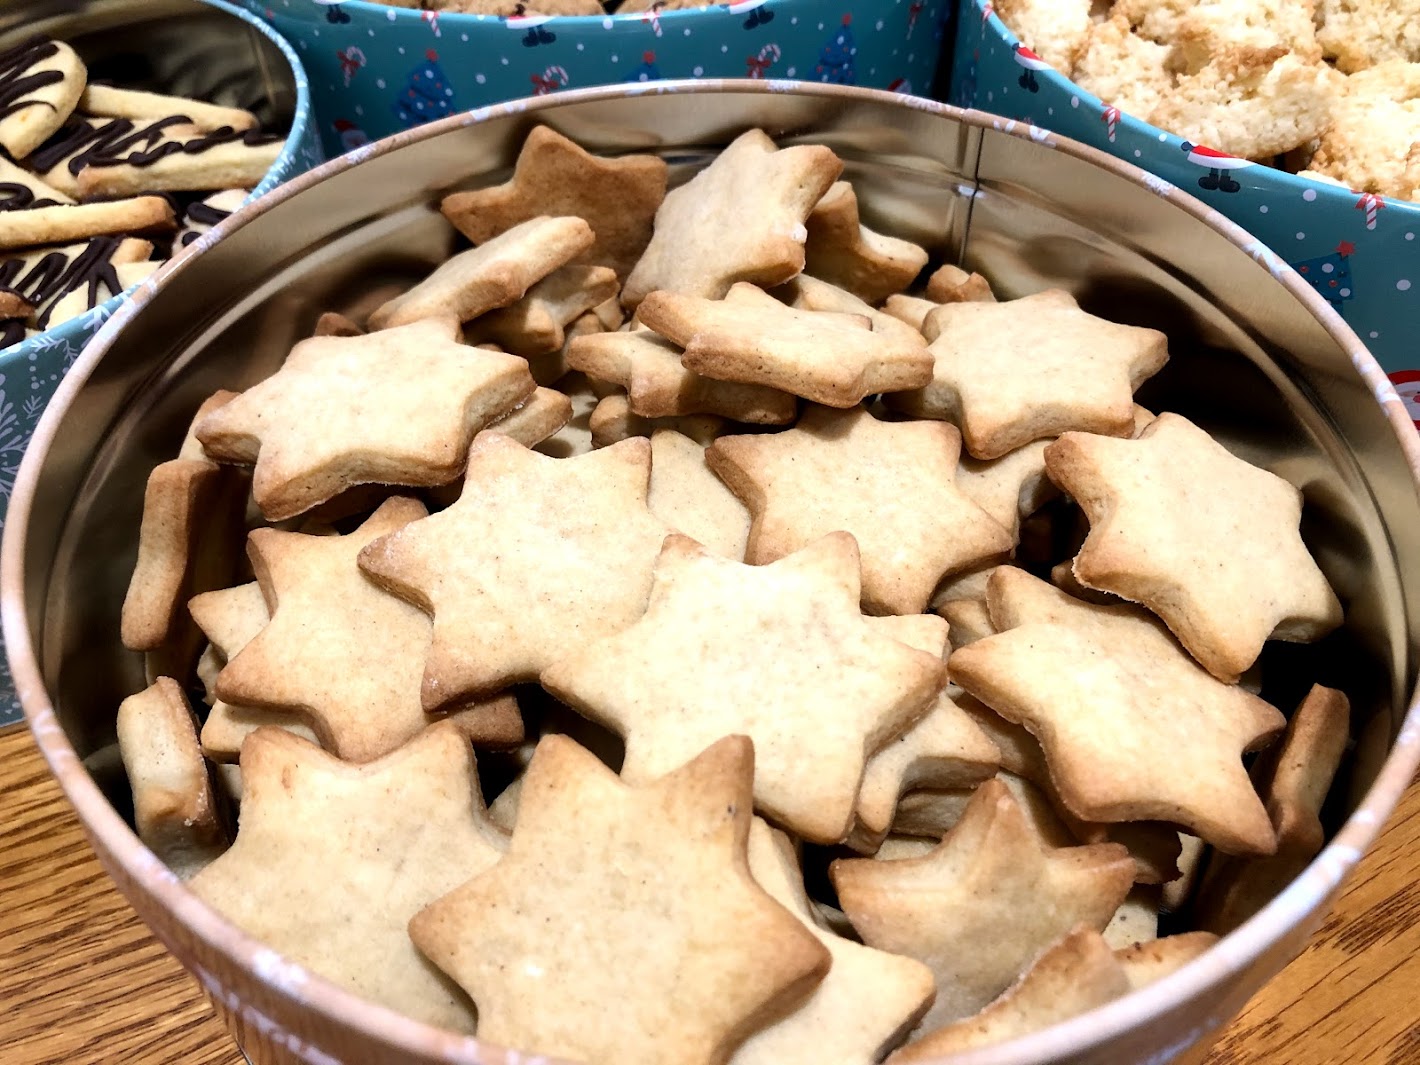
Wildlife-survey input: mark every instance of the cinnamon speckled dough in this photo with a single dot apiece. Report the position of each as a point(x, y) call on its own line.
point(690, 499)
point(811, 294)
point(332, 860)
point(174, 809)
point(843, 251)
point(984, 903)
point(537, 323)
point(1009, 373)
point(1209, 542)
point(890, 484)
point(779, 653)
point(570, 944)
point(709, 234)
point(612, 421)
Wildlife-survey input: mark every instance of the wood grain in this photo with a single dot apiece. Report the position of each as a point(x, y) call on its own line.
point(82, 981)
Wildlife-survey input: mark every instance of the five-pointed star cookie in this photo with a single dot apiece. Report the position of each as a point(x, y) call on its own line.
point(332, 860)
point(659, 385)
point(1076, 974)
point(491, 275)
point(1294, 777)
point(690, 499)
point(708, 234)
point(983, 904)
point(890, 484)
point(395, 407)
point(536, 324)
point(687, 955)
point(750, 337)
point(843, 251)
point(553, 176)
point(1132, 728)
point(538, 558)
point(779, 653)
point(1009, 373)
point(811, 294)
point(1205, 540)
point(344, 653)
point(866, 1003)
point(1011, 487)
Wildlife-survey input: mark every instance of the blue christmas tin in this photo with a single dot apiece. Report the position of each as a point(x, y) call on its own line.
point(217, 42)
point(1361, 252)
point(376, 70)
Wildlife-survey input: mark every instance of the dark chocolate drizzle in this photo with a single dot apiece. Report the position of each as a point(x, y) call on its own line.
point(120, 142)
point(202, 214)
point(16, 83)
point(12, 331)
point(55, 275)
point(17, 197)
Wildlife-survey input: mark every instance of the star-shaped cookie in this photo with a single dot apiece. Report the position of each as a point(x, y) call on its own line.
point(984, 903)
point(866, 1003)
point(752, 338)
point(890, 484)
point(686, 955)
point(1009, 373)
point(659, 385)
point(553, 176)
point(332, 860)
point(843, 251)
point(538, 558)
point(708, 235)
point(690, 499)
point(394, 407)
point(1207, 541)
point(779, 653)
point(1011, 487)
point(345, 654)
point(1132, 728)
point(811, 294)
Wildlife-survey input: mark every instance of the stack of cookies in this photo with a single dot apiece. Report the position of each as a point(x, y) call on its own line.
point(1329, 88)
point(98, 184)
point(853, 666)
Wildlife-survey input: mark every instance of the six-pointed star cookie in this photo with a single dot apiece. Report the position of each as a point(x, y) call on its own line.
point(708, 234)
point(538, 558)
point(984, 903)
point(553, 176)
point(843, 251)
point(866, 1003)
point(395, 407)
point(1132, 728)
point(779, 653)
point(750, 337)
point(1205, 540)
point(687, 955)
point(890, 484)
point(1009, 373)
point(332, 860)
point(345, 654)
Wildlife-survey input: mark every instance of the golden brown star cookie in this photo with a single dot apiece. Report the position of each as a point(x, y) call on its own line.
point(844, 252)
point(752, 338)
point(664, 867)
point(708, 235)
point(982, 905)
point(1011, 487)
point(690, 499)
point(553, 176)
point(659, 385)
point(1207, 541)
point(811, 294)
point(1143, 734)
point(869, 999)
point(611, 421)
point(1144, 963)
point(491, 275)
point(344, 411)
point(890, 484)
point(1009, 373)
point(1294, 778)
point(538, 558)
point(332, 860)
point(1076, 974)
point(952, 284)
point(175, 810)
point(536, 324)
point(779, 653)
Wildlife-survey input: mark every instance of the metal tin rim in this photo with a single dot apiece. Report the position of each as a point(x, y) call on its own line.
point(1232, 954)
point(300, 123)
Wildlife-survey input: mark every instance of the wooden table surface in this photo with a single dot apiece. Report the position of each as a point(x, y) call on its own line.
point(82, 981)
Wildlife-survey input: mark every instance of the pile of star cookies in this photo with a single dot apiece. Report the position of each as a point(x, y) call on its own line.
point(1330, 89)
point(98, 183)
point(854, 667)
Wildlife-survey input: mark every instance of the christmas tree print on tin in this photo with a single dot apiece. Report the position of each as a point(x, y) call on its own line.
point(426, 95)
point(835, 61)
point(1330, 275)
